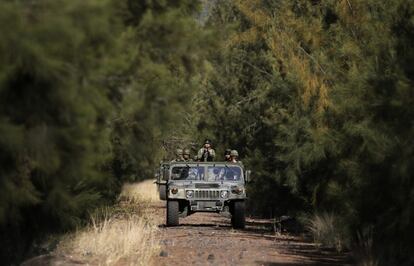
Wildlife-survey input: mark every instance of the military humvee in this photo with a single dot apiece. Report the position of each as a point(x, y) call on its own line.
point(190, 187)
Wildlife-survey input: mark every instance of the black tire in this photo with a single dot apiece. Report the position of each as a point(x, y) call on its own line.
point(172, 213)
point(238, 219)
point(163, 191)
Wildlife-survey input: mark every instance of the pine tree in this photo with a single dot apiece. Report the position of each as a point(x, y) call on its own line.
point(320, 91)
point(165, 68)
point(53, 117)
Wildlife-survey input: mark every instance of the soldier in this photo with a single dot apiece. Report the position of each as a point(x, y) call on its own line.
point(178, 155)
point(234, 156)
point(227, 157)
point(186, 155)
point(206, 153)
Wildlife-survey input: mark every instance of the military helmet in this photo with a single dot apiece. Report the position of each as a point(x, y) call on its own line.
point(227, 152)
point(207, 141)
point(179, 152)
point(186, 152)
point(234, 153)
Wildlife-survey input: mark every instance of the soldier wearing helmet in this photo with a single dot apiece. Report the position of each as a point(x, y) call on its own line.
point(178, 155)
point(186, 155)
point(206, 153)
point(234, 156)
point(227, 157)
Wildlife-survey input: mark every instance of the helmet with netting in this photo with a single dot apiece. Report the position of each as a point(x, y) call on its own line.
point(234, 153)
point(179, 152)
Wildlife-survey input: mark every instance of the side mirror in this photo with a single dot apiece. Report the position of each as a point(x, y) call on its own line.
point(247, 176)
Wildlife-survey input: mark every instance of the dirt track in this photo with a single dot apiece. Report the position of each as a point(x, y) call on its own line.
point(208, 239)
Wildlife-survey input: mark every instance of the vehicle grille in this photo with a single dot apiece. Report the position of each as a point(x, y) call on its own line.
point(206, 194)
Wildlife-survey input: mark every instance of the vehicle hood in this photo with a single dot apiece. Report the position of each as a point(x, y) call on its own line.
point(204, 185)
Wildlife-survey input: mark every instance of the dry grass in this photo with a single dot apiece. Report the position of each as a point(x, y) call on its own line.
point(122, 235)
point(145, 192)
point(363, 251)
point(328, 231)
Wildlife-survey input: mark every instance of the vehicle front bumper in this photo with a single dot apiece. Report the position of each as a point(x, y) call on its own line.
point(206, 205)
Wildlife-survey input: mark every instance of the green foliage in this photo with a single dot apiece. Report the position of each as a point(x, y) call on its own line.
point(88, 91)
point(317, 96)
point(53, 112)
point(165, 66)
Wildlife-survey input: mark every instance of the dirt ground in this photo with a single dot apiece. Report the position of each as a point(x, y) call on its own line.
point(208, 239)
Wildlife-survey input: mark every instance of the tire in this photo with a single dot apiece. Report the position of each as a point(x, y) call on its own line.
point(238, 219)
point(163, 191)
point(172, 213)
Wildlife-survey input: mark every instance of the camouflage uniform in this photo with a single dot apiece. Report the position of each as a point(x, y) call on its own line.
point(206, 153)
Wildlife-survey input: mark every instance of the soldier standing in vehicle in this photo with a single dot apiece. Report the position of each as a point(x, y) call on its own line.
point(227, 156)
point(178, 155)
point(234, 156)
point(186, 155)
point(206, 153)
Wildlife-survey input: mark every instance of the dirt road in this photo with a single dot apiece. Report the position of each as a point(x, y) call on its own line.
point(201, 239)
point(208, 239)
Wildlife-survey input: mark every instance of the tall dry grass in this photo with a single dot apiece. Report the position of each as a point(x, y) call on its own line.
point(145, 192)
point(120, 235)
point(363, 251)
point(328, 231)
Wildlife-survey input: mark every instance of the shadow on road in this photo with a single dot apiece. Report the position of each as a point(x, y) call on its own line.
point(320, 256)
point(199, 226)
point(265, 263)
point(258, 243)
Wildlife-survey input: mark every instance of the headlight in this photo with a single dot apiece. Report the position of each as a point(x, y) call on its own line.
point(237, 190)
point(224, 194)
point(189, 193)
point(174, 190)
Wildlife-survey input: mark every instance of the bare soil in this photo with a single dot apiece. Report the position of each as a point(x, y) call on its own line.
point(209, 239)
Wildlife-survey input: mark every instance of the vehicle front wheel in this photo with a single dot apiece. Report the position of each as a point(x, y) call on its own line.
point(172, 213)
point(163, 191)
point(238, 219)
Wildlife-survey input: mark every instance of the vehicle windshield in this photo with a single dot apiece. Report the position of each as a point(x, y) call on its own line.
point(187, 173)
point(226, 173)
